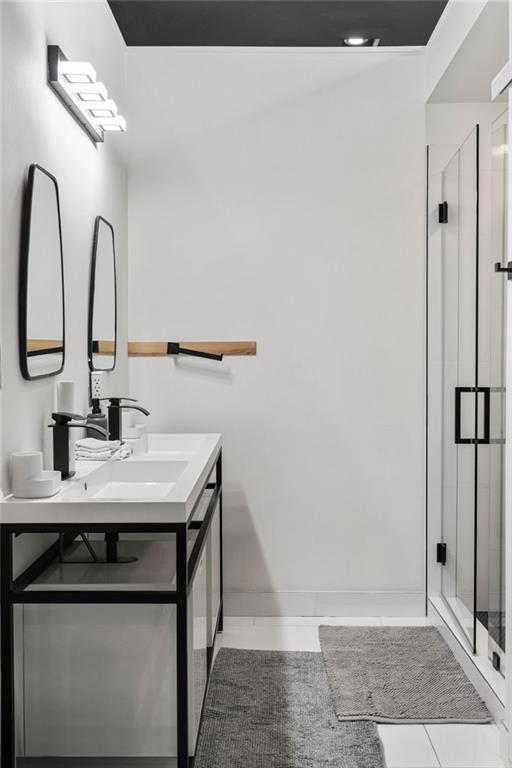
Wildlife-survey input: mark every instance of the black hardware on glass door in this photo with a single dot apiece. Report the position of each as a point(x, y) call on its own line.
point(508, 269)
point(443, 213)
point(459, 440)
point(15, 592)
point(441, 553)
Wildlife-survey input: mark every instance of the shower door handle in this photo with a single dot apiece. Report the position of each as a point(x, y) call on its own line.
point(508, 269)
point(485, 440)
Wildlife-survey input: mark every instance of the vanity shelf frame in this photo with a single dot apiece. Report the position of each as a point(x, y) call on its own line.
point(15, 591)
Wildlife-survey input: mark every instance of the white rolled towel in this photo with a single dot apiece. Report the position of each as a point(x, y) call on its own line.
point(92, 445)
point(90, 456)
point(120, 453)
point(90, 449)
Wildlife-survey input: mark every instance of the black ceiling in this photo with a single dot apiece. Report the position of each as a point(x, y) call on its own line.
point(275, 22)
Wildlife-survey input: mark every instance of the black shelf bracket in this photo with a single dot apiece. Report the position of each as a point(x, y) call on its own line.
point(175, 348)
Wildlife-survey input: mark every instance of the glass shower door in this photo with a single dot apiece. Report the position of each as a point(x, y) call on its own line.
point(497, 340)
point(464, 406)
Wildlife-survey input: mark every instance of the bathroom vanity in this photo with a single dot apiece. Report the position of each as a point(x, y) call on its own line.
point(149, 625)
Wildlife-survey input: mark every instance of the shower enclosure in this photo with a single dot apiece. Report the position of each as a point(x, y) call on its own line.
point(465, 338)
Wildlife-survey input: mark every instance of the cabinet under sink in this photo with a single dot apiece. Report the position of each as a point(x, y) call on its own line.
point(101, 680)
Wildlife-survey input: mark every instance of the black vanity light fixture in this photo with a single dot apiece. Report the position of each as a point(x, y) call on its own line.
point(358, 41)
point(86, 98)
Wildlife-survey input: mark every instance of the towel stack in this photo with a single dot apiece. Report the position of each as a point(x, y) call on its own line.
point(90, 449)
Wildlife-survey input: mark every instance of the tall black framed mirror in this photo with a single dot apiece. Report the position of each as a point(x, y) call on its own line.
point(41, 283)
point(102, 337)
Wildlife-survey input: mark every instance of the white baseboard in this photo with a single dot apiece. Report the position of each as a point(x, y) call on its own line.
point(324, 603)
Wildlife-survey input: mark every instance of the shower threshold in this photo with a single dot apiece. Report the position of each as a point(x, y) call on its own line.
point(485, 676)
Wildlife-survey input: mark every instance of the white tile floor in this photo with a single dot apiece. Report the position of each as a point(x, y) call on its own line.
point(405, 746)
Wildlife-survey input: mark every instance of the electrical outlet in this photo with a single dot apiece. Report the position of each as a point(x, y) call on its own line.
point(97, 384)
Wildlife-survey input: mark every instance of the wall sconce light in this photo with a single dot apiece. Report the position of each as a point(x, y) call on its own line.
point(75, 84)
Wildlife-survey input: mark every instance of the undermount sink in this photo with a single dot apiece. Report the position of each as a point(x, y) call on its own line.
point(129, 480)
point(160, 483)
point(117, 491)
point(163, 447)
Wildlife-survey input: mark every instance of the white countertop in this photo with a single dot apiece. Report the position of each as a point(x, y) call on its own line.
point(165, 480)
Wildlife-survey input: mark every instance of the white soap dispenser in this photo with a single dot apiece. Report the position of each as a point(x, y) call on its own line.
point(28, 478)
point(66, 403)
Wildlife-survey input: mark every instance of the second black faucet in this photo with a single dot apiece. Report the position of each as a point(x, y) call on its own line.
point(115, 421)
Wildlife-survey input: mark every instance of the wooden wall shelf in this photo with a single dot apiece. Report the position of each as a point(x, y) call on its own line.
point(159, 348)
point(155, 348)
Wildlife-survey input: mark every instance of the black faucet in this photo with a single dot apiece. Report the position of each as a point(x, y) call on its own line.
point(63, 422)
point(115, 431)
point(115, 407)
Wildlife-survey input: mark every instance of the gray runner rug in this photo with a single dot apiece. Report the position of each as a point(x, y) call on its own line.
point(396, 675)
point(273, 709)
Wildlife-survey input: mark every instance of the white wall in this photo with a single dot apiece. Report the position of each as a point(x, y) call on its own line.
point(481, 55)
point(451, 30)
point(279, 196)
point(92, 181)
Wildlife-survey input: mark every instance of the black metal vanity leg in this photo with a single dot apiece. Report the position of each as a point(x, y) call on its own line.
point(182, 645)
point(7, 651)
point(220, 627)
point(111, 541)
point(112, 550)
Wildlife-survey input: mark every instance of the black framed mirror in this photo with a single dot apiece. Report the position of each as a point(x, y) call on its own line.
point(102, 337)
point(41, 285)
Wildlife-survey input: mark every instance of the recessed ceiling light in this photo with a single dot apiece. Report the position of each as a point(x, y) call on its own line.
point(356, 41)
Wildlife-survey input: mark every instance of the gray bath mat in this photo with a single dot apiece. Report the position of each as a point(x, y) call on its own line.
point(273, 709)
point(396, 675)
